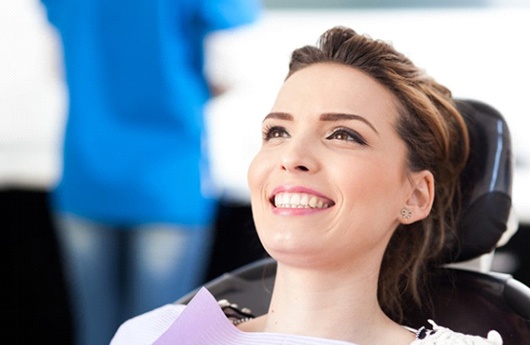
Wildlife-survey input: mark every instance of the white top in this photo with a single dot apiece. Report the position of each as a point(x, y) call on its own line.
point(203, 322)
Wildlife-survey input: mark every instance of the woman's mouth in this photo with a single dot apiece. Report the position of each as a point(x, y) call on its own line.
point(300, 200)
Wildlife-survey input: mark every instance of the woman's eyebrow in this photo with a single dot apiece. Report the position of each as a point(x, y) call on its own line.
point(342, 116)
point(279, 115)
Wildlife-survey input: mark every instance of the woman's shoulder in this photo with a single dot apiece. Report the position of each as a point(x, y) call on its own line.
point(152, 325)
point(446, 336)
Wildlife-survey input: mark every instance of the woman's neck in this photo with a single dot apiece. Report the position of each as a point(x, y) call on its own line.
point(334, 304)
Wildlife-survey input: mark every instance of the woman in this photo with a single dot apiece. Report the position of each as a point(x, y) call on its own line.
point(352, 193)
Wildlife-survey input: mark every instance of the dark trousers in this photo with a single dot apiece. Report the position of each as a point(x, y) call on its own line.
point(38, 300)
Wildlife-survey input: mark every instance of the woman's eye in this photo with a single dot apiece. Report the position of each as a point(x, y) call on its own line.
point(274, 132)
point(347, 135)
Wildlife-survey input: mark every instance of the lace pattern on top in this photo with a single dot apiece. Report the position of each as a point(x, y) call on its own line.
point(444, 336)
point(235, 314)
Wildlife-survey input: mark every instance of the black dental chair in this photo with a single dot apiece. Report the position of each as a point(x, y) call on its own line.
point(467, 300)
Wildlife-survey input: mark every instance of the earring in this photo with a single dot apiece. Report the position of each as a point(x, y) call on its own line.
point(406, 213)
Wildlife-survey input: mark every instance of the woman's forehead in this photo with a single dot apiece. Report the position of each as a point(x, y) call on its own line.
point(335, 88)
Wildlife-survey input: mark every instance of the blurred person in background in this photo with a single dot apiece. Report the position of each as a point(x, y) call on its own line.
point(32, 102)
point(135, 203)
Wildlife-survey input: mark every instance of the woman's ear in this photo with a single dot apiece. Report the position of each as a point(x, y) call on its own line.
point(419, 202)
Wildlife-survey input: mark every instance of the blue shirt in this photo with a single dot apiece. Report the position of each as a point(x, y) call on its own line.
point(133, 148)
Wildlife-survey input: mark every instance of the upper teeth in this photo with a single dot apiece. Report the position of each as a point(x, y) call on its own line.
point(299, 200)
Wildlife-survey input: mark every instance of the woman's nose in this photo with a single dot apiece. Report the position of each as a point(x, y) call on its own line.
point(288, 167)
point(299, 157)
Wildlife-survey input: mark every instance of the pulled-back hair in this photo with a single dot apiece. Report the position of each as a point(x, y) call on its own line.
point(437, 140)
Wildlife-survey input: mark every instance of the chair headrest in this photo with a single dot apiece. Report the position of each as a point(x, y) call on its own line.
point(486, 184)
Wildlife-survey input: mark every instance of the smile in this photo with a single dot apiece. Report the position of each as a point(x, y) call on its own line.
point(300, 200)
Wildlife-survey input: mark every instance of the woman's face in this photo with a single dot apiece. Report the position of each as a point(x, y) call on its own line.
point(330, 179)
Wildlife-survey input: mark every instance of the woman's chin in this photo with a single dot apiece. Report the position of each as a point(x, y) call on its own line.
point(293, 254)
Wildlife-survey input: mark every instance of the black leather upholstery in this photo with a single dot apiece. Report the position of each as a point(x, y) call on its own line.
point(486, 183)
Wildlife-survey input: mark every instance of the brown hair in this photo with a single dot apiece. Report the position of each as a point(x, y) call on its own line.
point(437, 140)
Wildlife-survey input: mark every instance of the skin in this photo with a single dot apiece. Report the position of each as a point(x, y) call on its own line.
point(354, 163)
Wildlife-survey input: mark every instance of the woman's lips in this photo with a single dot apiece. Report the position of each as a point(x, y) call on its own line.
point(299, 200)
point(299, 197)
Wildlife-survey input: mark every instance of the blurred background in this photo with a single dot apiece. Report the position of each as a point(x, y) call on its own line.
point(478, 48)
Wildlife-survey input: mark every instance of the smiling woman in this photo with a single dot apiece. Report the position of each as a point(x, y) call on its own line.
point(336, 143)
point(354, 192)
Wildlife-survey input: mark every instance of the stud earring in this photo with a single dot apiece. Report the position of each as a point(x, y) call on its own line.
point(406, 213)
